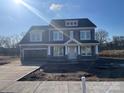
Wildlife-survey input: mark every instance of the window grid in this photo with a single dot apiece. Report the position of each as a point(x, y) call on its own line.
point(35, 36)
point(58, 51)
point(57, 36)
point(85, 35)
point(71, 23)
point(86, 51)
point(71, 34)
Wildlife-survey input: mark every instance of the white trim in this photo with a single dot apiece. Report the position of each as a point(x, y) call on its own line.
point(72, 40)
point(82, 44)
point(96, 48)
point(85, 34)
point(73, 28)
point(58, 36)
point(49, 50)
point(71, 23)
point(86, 53)
point(79, 50)
point(71, 34)
point(66, 50)
point(35, 33)
point(58, 51)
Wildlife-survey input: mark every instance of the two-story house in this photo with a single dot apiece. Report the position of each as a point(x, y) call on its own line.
point(61, 40)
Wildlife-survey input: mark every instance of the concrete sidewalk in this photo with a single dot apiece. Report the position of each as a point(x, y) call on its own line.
point(60, 87)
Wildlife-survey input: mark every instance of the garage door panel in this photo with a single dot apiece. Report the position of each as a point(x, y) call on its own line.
point(35, 54)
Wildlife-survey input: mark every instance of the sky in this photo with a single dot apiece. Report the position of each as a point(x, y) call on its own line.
point(106, 14)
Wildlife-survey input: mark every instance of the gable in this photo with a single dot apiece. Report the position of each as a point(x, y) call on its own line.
point(36, 29)
point(72, 41)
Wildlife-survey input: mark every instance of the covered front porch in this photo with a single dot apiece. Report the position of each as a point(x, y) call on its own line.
point(73, 50)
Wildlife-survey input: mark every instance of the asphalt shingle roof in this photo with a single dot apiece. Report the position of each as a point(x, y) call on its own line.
point(82, 22)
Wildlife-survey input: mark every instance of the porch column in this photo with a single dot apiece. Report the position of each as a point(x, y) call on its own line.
point(49, 50)
point(66, 50)
point(96, 49)
point(79, 50)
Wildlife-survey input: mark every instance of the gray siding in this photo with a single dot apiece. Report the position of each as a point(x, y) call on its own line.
point(76, 35)
point(65, 38)
point(47, 37)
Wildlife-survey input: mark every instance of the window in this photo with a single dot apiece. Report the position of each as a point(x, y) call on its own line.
point(35, 36)
point(57, 36)
point(85, 35)
point(58, 51)
point(71, 23)
point(82, 35)
point(86, 51)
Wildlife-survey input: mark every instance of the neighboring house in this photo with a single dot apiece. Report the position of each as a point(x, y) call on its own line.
point(61, 40)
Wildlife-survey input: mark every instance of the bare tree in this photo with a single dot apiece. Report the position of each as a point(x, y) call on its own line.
point(2, 41)
point(11, 41)
point(102, 36)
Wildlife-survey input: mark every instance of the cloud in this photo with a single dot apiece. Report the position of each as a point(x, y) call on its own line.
point(55, 7)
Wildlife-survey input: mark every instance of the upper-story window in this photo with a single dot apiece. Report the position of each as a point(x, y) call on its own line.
point(35, 36)
point(57, 36)
point(85, 35)
point(71, 23)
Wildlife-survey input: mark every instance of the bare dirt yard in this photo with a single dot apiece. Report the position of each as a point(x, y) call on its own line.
point(112, 53)
point(101, 70)
point(9, 60)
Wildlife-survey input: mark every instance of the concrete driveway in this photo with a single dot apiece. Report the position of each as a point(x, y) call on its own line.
point(14, 73)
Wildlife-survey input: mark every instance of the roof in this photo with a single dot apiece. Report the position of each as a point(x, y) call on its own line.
point(82, 22)
point(59, 42)
point(88, 41)
point(59, 23)
point(44, 27)
point(33, 28)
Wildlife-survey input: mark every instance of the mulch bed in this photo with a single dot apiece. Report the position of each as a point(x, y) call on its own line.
point(42, 76)
point(74, 72)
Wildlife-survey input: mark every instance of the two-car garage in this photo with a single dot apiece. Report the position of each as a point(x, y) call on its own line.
point(35, 54)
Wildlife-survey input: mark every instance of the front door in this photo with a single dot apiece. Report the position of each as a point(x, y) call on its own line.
point(72, 52)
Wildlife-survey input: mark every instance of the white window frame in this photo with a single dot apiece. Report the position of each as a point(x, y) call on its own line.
point(71, 23)
point(85, 35)
point(72, 34)
point(59, 36)
point(34, 36)
point(58, 52)
point(86, 53)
